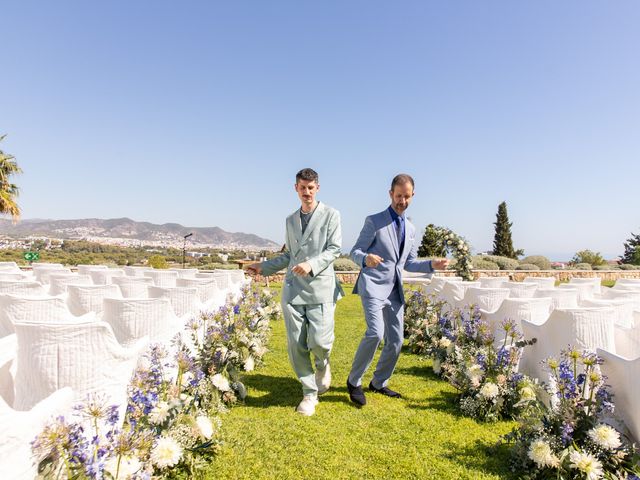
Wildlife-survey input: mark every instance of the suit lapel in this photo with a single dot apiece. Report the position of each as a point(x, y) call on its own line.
point(296, 229)
point(391, 229)
point(315, 220)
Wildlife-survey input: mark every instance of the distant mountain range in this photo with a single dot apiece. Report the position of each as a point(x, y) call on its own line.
point(129, 231)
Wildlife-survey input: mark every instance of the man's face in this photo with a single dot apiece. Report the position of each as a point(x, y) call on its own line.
point(307, 190)
point(401, 196)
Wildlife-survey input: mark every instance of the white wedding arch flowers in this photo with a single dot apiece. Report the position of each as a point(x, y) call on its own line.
point(458, 248)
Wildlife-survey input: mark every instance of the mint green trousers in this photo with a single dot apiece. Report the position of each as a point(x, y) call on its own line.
point(309, 332)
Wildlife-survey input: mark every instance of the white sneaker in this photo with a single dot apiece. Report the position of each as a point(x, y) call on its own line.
point(307, 406)
point(323, 379)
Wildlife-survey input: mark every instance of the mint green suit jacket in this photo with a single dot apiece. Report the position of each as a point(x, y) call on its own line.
point(319, 246)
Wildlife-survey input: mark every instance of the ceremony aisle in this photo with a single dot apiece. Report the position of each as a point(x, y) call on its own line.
point(422, 435)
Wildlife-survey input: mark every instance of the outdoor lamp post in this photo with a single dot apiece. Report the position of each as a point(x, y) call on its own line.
point(184, 248)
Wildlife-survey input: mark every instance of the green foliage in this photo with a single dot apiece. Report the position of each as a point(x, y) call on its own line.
point(502, 241)
point(632, 250)
point(504, 263)
point(433, 243)
point(582, 266)
point(588, 256)
point(158, 261)
point(606, 267)
point(8, 191)
point(345, 265)
point(541, 261)
point(626, 266)
point(480, 262)
point(528, 266)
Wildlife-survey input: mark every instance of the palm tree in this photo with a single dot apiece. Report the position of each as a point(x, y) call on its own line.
point(8, 191)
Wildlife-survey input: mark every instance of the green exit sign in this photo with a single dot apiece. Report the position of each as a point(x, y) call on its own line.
point(31, 256)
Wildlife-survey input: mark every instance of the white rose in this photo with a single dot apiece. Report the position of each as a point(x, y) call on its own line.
point(220, 382)
point(205, 426)
point(527, 393)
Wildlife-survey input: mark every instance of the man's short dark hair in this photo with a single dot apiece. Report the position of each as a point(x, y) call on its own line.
point(308, 174)
point(401, 179)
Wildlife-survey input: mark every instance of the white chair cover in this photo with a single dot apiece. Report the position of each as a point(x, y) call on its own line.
point(622, 307)
point(87, 269)
point(19, 428)
point(82, 354)
point(492, 282)
point(628, 338)
point(596, 282)
point(436, 284)
point(136, 271)
point(487, 299)
point(208, 289)
point(22, 288)
point(560, 298)
point(453, 293)
point(22, 309)
point(582, 328)
point(136, 318)
point(8, 353)
point(628, 282)
point(83, 299)
point(58, 283)
point(620, 294)
point(623, 375)
point(185, 272)
point(105, 276)
point(534, 310)
point(543, 282)
point(162, 278)
point(521, 289)
point(9, 265)
point(585, 290)
point(12, 276)
point(184, 300)
point(133, 287)
point(42, 274)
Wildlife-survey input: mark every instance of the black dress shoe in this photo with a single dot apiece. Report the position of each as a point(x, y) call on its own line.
point(356, 395)
point(384, 391)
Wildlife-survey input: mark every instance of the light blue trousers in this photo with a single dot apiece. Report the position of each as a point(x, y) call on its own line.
point(309, 331)
point(385, 321)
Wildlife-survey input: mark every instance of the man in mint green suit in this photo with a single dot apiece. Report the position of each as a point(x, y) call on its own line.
point(310, 290)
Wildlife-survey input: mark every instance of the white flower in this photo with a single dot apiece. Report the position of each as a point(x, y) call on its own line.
point(489, 391)
point(604, 436)
point(160, 413)
point(127, 468)
point(205, 426)
point(541, 454)
point(444, 342)
point(436, 366)
point(186, 378)
point(587, 464)
point(166, 452)
point(475, 372)
point(249, 364)
point(527, 393)
point(220, 382)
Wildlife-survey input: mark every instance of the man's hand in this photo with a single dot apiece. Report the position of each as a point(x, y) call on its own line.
point(441, 264)
point(302, 269)
point(255, 269)
point(372, 260)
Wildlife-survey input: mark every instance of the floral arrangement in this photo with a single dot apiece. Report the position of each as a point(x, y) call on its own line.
point(172, 420)
point(484, 372)
point(421, 312)
point(568, 436)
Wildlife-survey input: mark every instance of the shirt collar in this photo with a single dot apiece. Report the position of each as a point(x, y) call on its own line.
point(394, 215)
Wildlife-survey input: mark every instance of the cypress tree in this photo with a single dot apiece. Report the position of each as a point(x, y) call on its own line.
point(502, 242)
point(632, 250)
point(432, 243)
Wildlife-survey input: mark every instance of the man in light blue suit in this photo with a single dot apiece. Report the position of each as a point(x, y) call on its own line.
point(386, 246)
point(311, 289)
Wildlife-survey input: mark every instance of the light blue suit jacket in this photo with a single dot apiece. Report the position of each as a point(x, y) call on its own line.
point(379, 236)
point(319, 246)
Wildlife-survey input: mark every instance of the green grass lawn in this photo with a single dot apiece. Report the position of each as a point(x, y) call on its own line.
point(421, 436)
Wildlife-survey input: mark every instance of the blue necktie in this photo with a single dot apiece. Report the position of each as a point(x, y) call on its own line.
point(400, 232)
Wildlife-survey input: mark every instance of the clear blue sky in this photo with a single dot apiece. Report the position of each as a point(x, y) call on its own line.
point(200, 113)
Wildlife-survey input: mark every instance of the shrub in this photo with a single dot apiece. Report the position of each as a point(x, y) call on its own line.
point(583, 266)
point(606, 267)
point(158, 261)
point(345, 265)
point(505, 263)
point(588, 256)
point(527, 266)
point(541, 261)
point(626, 266)
point(481, 263)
